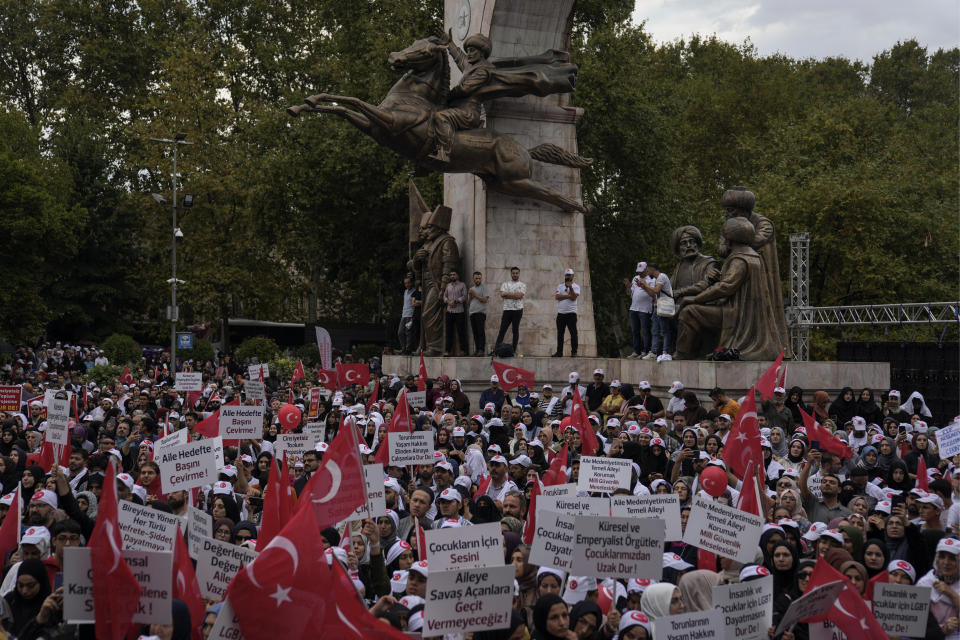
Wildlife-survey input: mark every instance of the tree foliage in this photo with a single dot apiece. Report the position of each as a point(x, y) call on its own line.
point(121, 349)
point(263, 349)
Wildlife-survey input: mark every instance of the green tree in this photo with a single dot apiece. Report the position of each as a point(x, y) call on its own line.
point(121, 349)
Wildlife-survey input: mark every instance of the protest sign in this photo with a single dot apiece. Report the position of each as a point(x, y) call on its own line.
point(185, 466)
point(582, 506)
point(468, 600)
point(188, 381)
point(417, 399)
point(10, 398)
point(313, 402)
point(217, 564)
point(604, 475)
point(256, 391)
point(618, 547)
point(152, 569)
point(180, 436)
point(702, 625)
point(665, 506)
point(200, 528)
point(411, 448)
point(240, 422)
point(724, 530)
point(948, 441)
point(567, 490)
point(816, 602)
point(227, 627)
point(824, 630)
point(146, 529)
point(376, 503)
point(58, 417)
point(553, 540)
point(464, 547)
point(901, 609)
point(295, 445)
point(317, 431)
point(254, 370)
point(217, 450)
point(747, 608)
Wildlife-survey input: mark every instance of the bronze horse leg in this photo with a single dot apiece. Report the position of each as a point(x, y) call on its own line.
point(527, 188)
point(358, 120)
point(378, 116)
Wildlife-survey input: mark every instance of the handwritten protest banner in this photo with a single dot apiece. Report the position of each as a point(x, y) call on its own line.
point(747, 608)
point(253, 371)
point(411, 448)
point(200, 528)
point(604, 475)
point(188, 381)
point(317, 431)
point(146, 529)
point(58, 417)
point(468, 600)
point(901, 609)
point(417, 399)
point(376, 503)
point(703, 625)
point(665, 506)
point(948, 441)
point(185, 466)
point(814, 603)
point(217, 564)
point(724, 530)
point(256, 391)
point(464, 547)
point(238, 421)
point(618, 547)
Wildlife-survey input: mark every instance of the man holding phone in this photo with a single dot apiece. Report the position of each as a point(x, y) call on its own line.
point(566, 296)
point(828, 507)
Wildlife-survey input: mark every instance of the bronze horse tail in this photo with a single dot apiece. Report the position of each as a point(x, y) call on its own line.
point(553, 154)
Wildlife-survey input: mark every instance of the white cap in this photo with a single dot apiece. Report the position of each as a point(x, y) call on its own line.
point(33, 535)
point(459, 432)
point(498, 459)
point(673, 561)
point(676, 386)
point(522, 460)
point(463, 481)
point(229, 470)
point(639, 585)
point(611, 422)
point(932, 498)
point(398, 581)
point(126, 479)
point(450, 523)
point(494, 378)
point(578, 587)
point(893, 393)
point(633, 619)
point(46, 496)
point(450, 494)
point(411, 601)
point(883, 506)
point(753, 571)
point(140, 492)
point(833, 534)
point(573, 377)
point(598, 372)
point(495, 448)
point(644, 384)
point(421, 567)
point(222, 488)
point(950, 545)
point(490, 406)
point(780, 390)
point(568, 272)
point(8, 499)
point(446, 466)
point(725, 416)
point(641, 267)
point(614, 383)
point(903, 565)
point(815, 531)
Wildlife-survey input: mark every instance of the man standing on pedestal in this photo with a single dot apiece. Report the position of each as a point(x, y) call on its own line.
point(566, 296)
point(641, 312)
point(478, 297)
point(405, 333)
point(662, 334)
point(454, 295)
point(512, 293)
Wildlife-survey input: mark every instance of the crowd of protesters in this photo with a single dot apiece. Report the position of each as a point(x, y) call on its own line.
point(865, 514)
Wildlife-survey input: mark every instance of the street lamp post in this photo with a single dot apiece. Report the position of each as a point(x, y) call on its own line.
point(178, 139)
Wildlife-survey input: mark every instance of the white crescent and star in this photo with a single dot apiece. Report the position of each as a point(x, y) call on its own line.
point(113, 545)
point(279, 542)
point(350, 375)
point(334, 470)
point(281, 595)
point(506, 376)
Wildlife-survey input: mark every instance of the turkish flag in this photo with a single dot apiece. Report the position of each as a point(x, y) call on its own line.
point(51, 454)
point(297, 372)
point(116, 593)
point(530, 526)
point(421, 541)
point(193, 397)
point(10, 529)
point(743, 440)
point(768, 381)
point(557, 473)
point(483, 484)
point(327, 379)
point(850, 613)
point(126, 377)
point(511, 377)
point(185, 585)
point(338, 487)
point(374, 396)
point(706, 559)
point(749, 499)
point(422, 377)
point(284, 592)
point(400, 422)
point(923, 480)
point(578, 418)
point(352, 617)
point(270, 520)
point(883, 576)
point(353, 373)
point(828, 441)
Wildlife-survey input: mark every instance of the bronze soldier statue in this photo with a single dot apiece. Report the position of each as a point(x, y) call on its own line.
point(431, 266)
point(694, 273)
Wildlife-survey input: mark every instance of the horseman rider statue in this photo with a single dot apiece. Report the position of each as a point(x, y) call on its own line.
point(464, 110)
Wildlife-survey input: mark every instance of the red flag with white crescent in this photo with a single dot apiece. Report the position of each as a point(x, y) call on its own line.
point(10, 529)
point(186, 587)
point(353, 373)
point(297, 372)
point(338, 487)
point(126, 377)
point(400, 422)
point(422, 377)
point(557, 473)
point(766, 383)
point(743, 440)
point(530, 525)
point(327, 379)
point(850, 613)
point(512, 377)
point(589, 445)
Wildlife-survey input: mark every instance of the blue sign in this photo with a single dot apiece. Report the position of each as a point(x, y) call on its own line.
point(184, 341)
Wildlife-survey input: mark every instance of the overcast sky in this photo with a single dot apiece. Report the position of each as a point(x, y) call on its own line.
point(807, 28)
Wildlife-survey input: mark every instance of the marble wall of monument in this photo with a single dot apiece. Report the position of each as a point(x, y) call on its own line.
point(495, 231)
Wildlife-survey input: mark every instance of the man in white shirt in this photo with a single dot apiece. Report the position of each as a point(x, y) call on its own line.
point(641, 310)
point(662, 334)
point(512, 293)
point(566, 296)
point(676, 404)
point(566, 394)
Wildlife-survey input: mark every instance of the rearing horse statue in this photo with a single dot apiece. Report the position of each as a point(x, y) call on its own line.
point(404, 121)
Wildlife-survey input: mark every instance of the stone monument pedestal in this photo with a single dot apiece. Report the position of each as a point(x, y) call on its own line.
point(496, 232)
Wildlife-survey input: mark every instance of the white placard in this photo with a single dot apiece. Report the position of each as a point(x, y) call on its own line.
point(816, 602)
point(417, 399)
point(901, 609)
point(256, 391)
point(200, 528)
point(58, 417)
point(188, 381)
point(562, 490)
point(180, 436)
point(217, 565)
point(469, 600)
point(226, 627)
point(604, 475)
point(618, 547)
point(153, 571)
point(376, 504)
point(575, 506)
point(702, 625)
point(665, 506)
point(465, 547)
point(241, 422)
point(317, 430)
point(185, 466)
point(146, 529)
point(553, 540)
point(747, 608)
point(824, 630)
point(253, 371)
point(295, 445)
point(411, 448)
point(948, 440)
point(217, 450)
point(724, 530)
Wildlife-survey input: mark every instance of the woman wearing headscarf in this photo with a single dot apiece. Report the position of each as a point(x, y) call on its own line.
point(920, 448)
point(867, 408)
point(915, 405)
point(782, 564)
point(844, 407)
point(26, 599)
point(886, 450)
point(783, 599)
point(525, 575)
point(654, 459)
point(696, 588)
point(661, 600)
point(460, 400)
point(586, 617)
point(821, 402)
point(794, 402)
point(778, 444)
point(876, 557)
point(796, 453)
point(905, 542)
point(897, 477)
point(869, 459)
point(856, 573)
point(31, 481)
point(853, 541)
point(550, 619)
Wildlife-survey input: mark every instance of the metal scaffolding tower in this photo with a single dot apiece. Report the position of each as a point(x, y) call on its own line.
point(799, 294)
